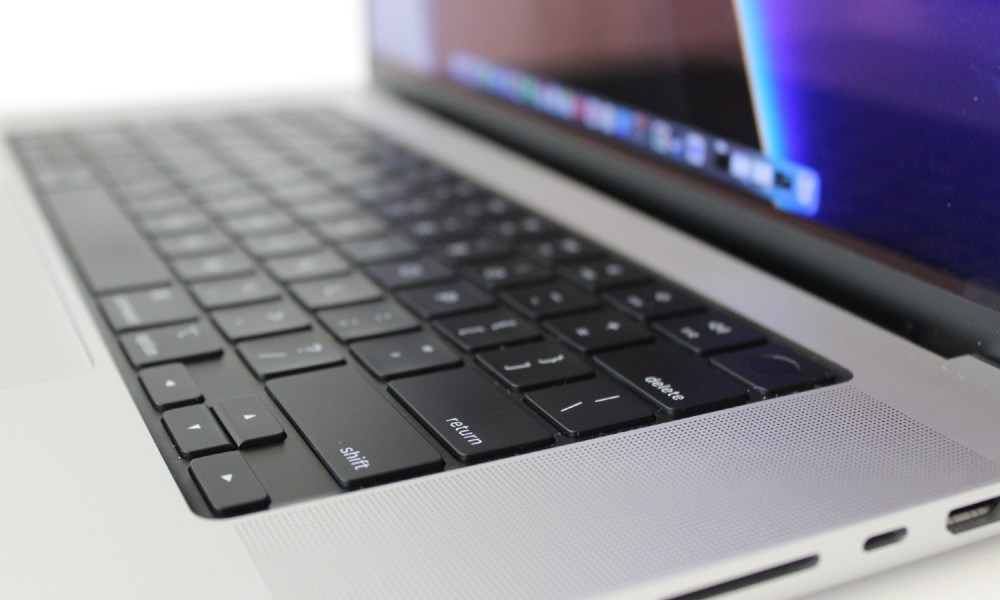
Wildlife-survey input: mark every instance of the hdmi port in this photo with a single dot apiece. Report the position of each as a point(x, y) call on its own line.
point(974, 515)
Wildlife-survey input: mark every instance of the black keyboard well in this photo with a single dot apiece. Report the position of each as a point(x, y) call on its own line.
point(302, 307)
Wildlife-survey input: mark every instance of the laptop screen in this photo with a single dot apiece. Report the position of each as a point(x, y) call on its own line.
point(876, 118)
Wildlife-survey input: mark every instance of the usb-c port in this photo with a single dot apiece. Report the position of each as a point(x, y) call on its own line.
point(884, 539)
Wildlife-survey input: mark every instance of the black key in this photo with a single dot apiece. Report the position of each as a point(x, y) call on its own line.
point(193, 244)
point(506, 273)
point(534, 365)
point(326, 210)
point(424, 174)
point(336, 291)
point(655, 301)
point(406, 354)
point(390, 247)
point(773, 369)
point(369, 186)
point(402, 211)
point(169, 386)
point(602, 330)
point(471, 250)
point(195, 431)
point(264, 223)
point(172, 343)
point(487, 207)
point(62, 176)
point(290, 353)
point(604, 274)
point(307, 266)
point(710, 332)
point(303, 192)
point(158, 306)
point(260, 319)
point(367, 320)
point(590, 407)
point(489, 329)
point(473, 419)
point(409, 273)
point(561, 250)
point(521, 228)
point(440, 229)
point(374, 194)
point(549, 300)
point(176, 223)
point(351, 228)
point(248, 422)
point(159, 206)
point(445, 299)
point(216, 266)
point(281, 244)
point(223, 187)
point(150, 186)
point(235, 206)
point(352, 429)
point(680, 383)
point(235, 292)
point(111, 254)
point(228, 484)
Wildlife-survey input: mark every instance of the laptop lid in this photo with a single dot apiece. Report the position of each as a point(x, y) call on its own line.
point(849, 146)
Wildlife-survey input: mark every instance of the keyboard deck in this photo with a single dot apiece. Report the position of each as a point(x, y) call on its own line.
point(302, 307)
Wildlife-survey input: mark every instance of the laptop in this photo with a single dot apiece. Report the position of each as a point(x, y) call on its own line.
point(635, 300)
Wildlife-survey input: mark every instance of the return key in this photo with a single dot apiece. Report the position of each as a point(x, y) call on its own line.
point(471, 417)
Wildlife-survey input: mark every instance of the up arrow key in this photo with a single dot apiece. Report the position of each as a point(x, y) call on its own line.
point(170, 383)
point(248, 417)
point(228, 477)
point(195, 426)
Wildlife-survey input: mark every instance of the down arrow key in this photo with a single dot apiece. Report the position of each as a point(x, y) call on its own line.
point(228, 484)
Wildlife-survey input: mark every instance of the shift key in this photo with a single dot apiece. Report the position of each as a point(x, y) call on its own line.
point(352, 429)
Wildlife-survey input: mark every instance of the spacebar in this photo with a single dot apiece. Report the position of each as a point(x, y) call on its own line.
point(106, 246)
point(352, 428)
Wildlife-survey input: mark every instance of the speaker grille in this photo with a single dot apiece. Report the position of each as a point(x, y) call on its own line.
point(615, 511)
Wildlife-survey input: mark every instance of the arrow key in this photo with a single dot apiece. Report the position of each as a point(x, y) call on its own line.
point(169, 386)
point(195, 431)
point(228, 484)
point(249, 422)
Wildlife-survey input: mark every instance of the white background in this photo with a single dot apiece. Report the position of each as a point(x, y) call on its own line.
point(78, 53)
point(57, 54)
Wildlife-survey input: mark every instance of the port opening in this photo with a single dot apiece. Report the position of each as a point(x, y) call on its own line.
point(884, 539)
point(748, 580)
point(973, 515)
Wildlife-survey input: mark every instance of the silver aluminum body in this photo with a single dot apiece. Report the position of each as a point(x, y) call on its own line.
point(90, 510)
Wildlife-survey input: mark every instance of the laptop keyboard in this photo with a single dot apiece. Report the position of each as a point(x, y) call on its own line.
point(302, 307)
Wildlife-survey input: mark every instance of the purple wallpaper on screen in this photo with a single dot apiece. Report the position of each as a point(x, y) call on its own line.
point(897, 105)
